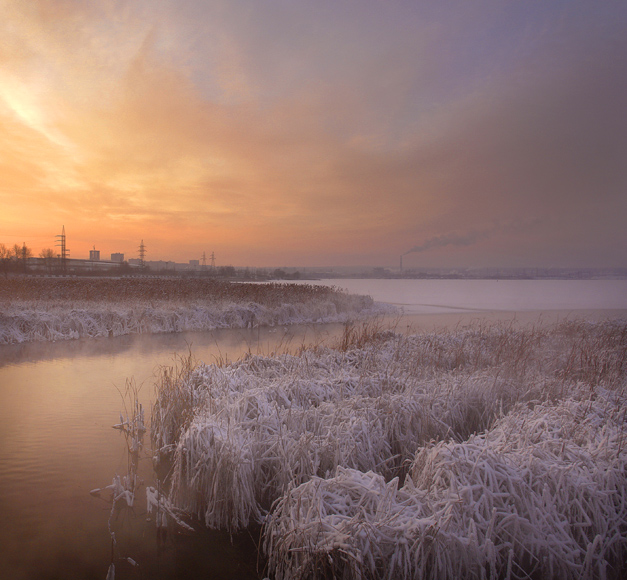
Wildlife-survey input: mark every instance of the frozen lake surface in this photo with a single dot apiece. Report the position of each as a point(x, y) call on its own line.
point(58, 402)
point(451, 296)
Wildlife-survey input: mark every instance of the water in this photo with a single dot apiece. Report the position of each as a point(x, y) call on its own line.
point(58, 402)
point(455, 296)
point(57, 405)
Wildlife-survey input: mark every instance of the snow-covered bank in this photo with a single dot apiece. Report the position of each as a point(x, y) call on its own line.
point(28, 322)
point(60, 309)
point(490, 451)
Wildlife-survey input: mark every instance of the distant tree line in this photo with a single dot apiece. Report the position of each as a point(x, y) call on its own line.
point(15, 258)
point(280, 274)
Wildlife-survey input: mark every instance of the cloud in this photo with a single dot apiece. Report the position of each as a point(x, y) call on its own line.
point(328, 131)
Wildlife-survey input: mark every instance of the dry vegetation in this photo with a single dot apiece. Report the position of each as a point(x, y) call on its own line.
point(155, 289)
point(490, 451)
point(65, 308)
point(166, 290)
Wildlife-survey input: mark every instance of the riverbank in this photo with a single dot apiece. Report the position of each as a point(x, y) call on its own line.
point(435, 454)
point(50, 309)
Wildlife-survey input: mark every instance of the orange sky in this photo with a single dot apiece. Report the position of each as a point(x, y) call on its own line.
point(317, 133)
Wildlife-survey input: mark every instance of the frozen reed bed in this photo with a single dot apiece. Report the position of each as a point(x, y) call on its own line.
point(541, 494)
point(486, 452)
point(65, 308)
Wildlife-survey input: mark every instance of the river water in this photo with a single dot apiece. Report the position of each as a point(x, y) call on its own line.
point(58, 402)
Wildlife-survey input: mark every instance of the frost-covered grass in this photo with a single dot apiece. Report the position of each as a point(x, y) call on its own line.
point(489, 451)
point(523, 498)
point(46, 309)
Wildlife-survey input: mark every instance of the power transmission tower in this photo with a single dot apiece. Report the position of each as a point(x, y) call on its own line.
point(213, 260)
point(204, 261)
point(142, 254)
point(65, 253)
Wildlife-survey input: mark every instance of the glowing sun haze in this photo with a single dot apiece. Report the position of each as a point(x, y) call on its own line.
point(317, 133)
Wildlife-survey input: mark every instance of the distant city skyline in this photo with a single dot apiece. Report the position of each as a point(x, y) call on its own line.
point(454, 134)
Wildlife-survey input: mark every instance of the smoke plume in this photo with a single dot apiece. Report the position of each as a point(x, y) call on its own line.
point(453, 239)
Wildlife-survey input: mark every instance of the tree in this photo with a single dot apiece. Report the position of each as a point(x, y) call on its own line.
point(5, 259)
point(279, 274)
point(26, 252)
point(21, 254)
point(48, 255)
point(226, 272)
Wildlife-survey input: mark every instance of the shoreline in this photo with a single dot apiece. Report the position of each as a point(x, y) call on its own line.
point(415, 322)
point(265, 340)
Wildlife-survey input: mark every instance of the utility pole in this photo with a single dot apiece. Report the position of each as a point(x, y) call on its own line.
point(142, 254)
point(65, 253)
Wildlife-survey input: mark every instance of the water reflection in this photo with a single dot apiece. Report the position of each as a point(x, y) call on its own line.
point(58, 402)
point(207, 346)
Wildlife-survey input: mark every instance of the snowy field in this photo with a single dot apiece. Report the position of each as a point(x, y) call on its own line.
point(50, 309)
point(485, 452)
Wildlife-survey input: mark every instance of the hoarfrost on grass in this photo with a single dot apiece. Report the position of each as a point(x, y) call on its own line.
point(486, 452)
point(518, 500)
point(62, 309)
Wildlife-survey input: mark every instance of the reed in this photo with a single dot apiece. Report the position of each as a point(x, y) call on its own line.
point(489, 451)
point(63, 308)
point(123, 489)
point(542, 494)
point(164, 290)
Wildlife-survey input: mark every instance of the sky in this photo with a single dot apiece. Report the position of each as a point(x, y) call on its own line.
point(326, 132)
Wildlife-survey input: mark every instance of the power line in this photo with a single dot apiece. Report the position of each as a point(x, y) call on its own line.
point(142, 254)
point(65, 253)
